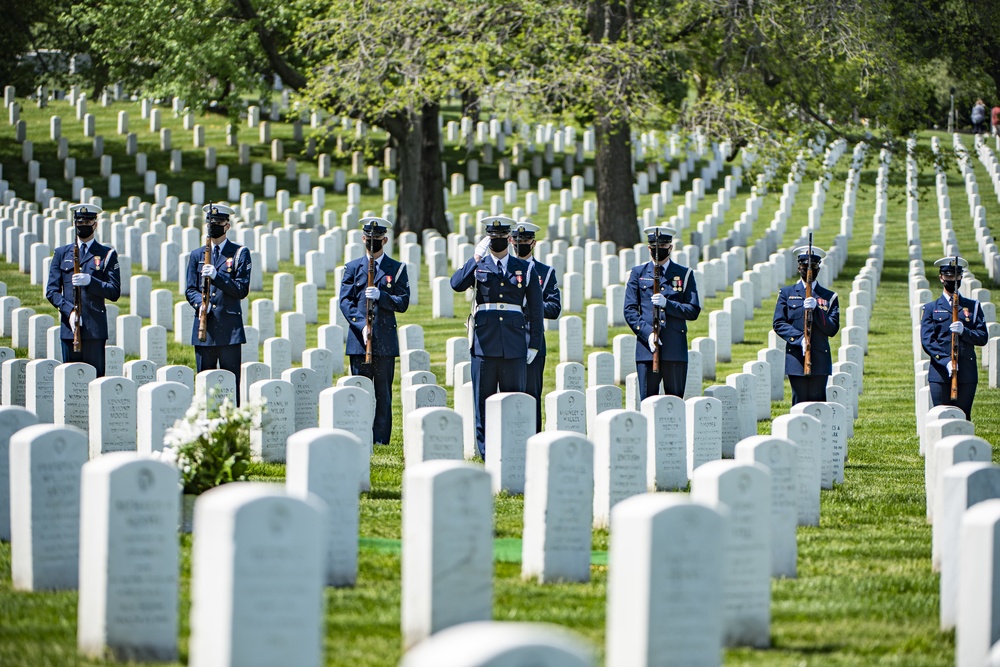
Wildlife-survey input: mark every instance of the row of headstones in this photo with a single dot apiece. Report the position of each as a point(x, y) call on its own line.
point(984, 238)
point(957, 466)
point(557, 542)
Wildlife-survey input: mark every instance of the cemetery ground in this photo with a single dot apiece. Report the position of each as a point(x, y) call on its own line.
point(865, 593)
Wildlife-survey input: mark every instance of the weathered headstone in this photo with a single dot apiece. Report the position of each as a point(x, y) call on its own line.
point(112, 414)
point(729, 422)
point(45, 463)
point(324, 462)
point(666, 437)
point(246, 528)
point(745, 489)
point(267, 440)
point(679, 620)
point(558, 498)
point(305, 387)
point(158, 406)
point(822, 412)
point(977, 626)
point(349, 409)
point(620, 454)
point(432, 433)
point(495, 644)
point(804, 431)
point(703, 415)
point(510, 421)
point(447, 561)
point(128, 558)
point(566, 410)
point(780, 457)
point(12, 420)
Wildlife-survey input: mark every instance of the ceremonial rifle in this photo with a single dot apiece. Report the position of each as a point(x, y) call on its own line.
point(955, 342)
point(206, 289)
point(77, 297)
point(807, 350)
point(369, 303)
point(656, 315)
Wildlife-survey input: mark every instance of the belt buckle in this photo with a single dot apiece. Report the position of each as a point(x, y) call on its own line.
point(501, 306)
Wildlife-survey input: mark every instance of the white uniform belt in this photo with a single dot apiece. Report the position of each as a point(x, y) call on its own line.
point(498, 306)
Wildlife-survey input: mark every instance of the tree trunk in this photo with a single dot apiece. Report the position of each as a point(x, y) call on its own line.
point(471, 104)
point(616, 212)
point(420, 203)
point(431, 177)
point(608, 22)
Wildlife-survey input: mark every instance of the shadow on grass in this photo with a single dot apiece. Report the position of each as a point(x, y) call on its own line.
point(384, 494)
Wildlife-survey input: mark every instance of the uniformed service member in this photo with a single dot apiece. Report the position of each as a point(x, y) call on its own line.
point(674, 306)
point(229, 274)
point(936, 329)
point(789, 323)
point(523, 238)
point(505, 300)
point(389, 295)
point(99, 279)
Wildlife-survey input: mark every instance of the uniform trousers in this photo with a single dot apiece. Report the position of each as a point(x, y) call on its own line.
point(381, 371)
point(491, 375)
point(941, 395)
point(673, 376)
point(226, 357)
point(807, 388)
point(91, 352)
point(533, 386)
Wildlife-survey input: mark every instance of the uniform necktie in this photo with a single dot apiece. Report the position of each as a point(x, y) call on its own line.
point(215, 256)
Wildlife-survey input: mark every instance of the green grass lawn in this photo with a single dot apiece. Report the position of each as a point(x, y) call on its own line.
point(865, 594)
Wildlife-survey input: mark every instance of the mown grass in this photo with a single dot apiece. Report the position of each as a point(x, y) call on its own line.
point(865, 594)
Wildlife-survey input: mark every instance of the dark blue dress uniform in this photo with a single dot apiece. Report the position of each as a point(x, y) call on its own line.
point(505, 302)
point(677, 285)
point(394, 297)
point(221, 347)
point(551, 309)
point(101, 263)
point(935, 337)
point(789, 323)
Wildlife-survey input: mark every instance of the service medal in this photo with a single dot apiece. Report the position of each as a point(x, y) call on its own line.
point(97, 263)
point(229, 264)
point(678, 284)
point(965, 311)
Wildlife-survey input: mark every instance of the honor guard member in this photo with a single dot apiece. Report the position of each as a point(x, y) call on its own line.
point(504, 300)
point(936, 329)
point(228, 272)
point(673, 306)
point(390, 294)
point(99, 278)
point(523, 242)
point(789, 323)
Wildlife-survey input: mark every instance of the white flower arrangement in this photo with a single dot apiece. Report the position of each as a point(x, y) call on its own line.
point(211, 445)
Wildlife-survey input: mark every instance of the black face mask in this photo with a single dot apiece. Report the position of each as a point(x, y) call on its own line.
point(215, 230)
point(85, 231)
point(375, 245)
point(951, 285)
point(659, 254)
point(498, 244)
point(803, 270)
point(523, 249)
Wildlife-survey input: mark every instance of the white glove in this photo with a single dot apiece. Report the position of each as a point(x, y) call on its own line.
point(372, 293)
point(809, 303)
point(802, 342)
point(957, 327)
point(532, 353)
point(72, 321)
point(651, 341)
point(659, 300)
point(81, 279)
point(951, 369)
point(482, 248)
point(209, 271)
point(365, 333)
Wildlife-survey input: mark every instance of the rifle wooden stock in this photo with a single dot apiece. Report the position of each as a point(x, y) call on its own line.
point(77, 300)
point(370, 307)
point(807, 334)
point(656, 319)
point(955, 342)
point(206, 293)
